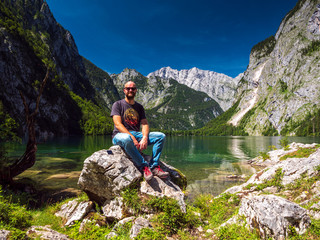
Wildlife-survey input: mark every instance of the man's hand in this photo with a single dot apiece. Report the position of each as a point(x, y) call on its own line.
point(135, 142)
point(143, 143)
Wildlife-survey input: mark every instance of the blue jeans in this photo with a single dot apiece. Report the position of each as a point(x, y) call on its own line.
point(155, 138)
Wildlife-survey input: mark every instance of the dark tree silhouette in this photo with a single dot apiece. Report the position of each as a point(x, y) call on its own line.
point(28, 159)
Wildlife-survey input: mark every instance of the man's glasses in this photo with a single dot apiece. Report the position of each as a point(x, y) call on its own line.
point(130, 88)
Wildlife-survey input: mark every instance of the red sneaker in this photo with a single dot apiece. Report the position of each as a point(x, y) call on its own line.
point(147, 174)
point(157, 171)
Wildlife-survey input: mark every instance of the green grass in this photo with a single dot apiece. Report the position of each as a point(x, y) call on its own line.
point(300, 153)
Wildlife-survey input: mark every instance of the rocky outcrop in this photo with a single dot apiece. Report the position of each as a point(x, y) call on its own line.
point(74, 211)
point(274, 216)
point(218, 86)
point(262, 197)
point(107, 173)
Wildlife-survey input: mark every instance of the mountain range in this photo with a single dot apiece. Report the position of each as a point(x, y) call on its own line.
point(277, 94)
point(218, 86)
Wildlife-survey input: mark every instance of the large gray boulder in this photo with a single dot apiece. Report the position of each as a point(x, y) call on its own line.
point(274, 216)
point(107, 173)
point(104, 175)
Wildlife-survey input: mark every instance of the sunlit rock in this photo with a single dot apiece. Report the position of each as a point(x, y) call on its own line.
point(74, 211)
point(274, 216)
point(45, 232)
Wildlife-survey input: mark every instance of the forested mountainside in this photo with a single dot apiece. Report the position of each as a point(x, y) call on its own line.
point(169, 104)
point(31, 41)
point(279, 92)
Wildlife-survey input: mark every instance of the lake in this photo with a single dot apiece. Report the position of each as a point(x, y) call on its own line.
point(205, 160)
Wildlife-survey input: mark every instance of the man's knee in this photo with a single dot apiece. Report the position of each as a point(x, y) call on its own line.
point(122, 138)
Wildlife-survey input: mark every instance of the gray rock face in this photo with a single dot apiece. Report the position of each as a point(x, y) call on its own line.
point(74, 211)
point(112, 209)
point(218, 86)
point(105, 175)
point(273, 216)
point(282, 79)
point(160, 188)
point(138, 224)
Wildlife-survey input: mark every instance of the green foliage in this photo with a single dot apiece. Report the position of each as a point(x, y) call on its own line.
point(303, 184)
point(217, 210)
point(284, 142)
point(276, 181)
point(300, 153)
point(283, 86)
point(11, 18)
point(265, 47)
point(151, 234)
point(170, 217)
point(313, 47)
point(8, 126)
point(94, 121)
point(309, 126)
point(13, 215)
point(235, 231)
point(132, 200)
point(220, 127)
point(264, 155)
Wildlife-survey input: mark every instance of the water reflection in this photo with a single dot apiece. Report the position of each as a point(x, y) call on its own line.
point(205, 160)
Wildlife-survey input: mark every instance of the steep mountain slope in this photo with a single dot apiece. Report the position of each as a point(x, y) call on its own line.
point(106, 92)
point(218, 86)
point(30, 42)
point(280, 88)
point(169, 105)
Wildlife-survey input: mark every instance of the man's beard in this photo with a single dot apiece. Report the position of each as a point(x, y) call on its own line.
point(131, 97)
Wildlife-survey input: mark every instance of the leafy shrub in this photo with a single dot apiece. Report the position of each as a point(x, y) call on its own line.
point(170, 217)
point(264, 155)
point(284, 142)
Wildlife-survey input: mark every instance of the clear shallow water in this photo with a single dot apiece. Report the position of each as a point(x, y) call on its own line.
point(205, 160)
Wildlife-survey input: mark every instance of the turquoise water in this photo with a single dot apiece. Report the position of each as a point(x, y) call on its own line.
point(205, 160)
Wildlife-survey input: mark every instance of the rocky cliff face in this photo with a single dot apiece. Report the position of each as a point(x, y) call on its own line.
point(30, 39)
point(218, 86)
point(169, 105)
point(280, 88)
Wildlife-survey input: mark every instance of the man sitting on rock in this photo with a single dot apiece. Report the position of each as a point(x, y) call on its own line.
point(127, 116)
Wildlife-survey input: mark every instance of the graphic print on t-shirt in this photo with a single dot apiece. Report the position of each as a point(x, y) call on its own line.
point(131, 117)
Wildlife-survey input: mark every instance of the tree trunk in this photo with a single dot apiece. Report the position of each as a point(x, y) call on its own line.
point(28, 159)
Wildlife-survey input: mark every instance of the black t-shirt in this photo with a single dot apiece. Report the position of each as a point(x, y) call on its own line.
point(131, 115)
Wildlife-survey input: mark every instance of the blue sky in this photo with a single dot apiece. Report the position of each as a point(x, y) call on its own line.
point(147, 35)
